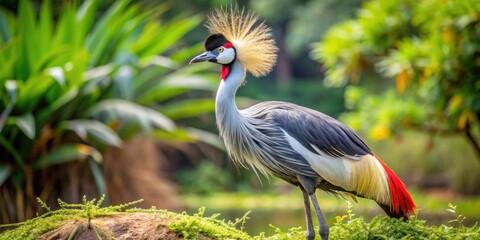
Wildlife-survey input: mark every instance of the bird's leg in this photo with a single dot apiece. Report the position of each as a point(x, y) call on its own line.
point(308, 186)
point(308, 215)
point(324, 231)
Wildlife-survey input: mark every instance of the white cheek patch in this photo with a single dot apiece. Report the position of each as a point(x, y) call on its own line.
point(226, 56)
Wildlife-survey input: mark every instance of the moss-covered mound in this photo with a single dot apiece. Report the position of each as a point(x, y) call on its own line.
point(90, 221)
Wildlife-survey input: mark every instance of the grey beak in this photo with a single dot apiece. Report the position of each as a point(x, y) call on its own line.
point(206, 56)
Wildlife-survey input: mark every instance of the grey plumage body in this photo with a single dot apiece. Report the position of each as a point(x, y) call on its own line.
point(256, 137)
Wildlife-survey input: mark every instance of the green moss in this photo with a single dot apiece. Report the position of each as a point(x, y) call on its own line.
point(186, 226)
point(34, 228)
point(190, 226)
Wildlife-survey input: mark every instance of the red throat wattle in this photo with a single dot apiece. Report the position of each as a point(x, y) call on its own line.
point(225, 72)
point(225, 69)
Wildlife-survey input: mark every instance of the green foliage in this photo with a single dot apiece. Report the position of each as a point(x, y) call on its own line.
point(204, 178)
point(80, 82)
point(384, 227)
point(388, 114)
point(459, 217)
point(428, 48)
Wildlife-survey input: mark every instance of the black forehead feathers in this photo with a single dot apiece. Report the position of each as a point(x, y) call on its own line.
point(214, 41)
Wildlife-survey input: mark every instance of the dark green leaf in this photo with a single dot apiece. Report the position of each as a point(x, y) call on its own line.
point(11, 87)
point(68, 153)
point(5, 171)
point(11, 149)
point(64, 99)
point(98, 176)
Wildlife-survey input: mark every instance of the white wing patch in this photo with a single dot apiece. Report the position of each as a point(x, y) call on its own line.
point(364, 175)
point(332, 169)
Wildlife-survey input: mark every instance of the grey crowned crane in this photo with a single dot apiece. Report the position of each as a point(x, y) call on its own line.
point(299, 145)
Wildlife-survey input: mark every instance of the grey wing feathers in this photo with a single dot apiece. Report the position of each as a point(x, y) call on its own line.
point(312, 128)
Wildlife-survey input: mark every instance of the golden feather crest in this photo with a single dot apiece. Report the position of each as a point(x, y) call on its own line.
point(253, 42)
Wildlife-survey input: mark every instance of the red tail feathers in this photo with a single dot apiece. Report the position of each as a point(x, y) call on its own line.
point(402, 204)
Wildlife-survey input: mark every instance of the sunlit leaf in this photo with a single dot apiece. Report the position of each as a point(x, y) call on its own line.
point(401, 80)
point(57, 74)
point(132, 113)
point(189, 108)
point(68, 153)
point(175, 85)
point(466, 117)
point(26, 123)
point(96, 129)
point(175, 135)
point(454, 103)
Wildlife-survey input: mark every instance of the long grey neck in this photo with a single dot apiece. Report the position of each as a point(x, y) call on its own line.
point(226, 110)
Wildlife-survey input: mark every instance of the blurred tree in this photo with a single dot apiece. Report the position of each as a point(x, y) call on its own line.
point(297, 23)
point(425, 56)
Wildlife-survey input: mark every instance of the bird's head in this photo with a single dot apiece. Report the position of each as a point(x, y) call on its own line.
point(219, 50)
point(237, 36)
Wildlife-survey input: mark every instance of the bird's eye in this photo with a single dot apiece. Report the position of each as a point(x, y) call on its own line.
point(220, 49)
